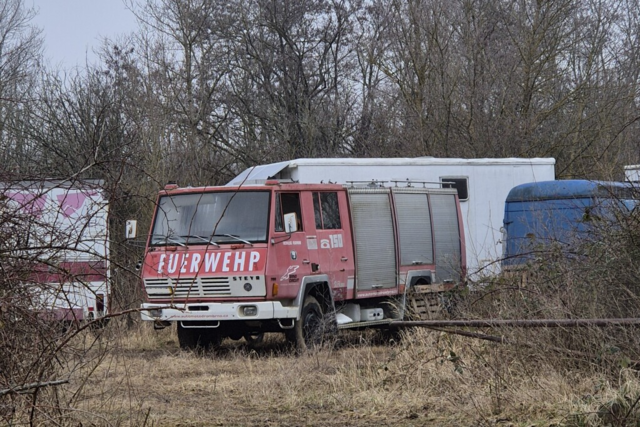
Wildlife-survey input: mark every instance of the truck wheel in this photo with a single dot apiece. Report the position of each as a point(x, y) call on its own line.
point(198, 338)
point(309, 331)
point(254, 339)
point(390, 336)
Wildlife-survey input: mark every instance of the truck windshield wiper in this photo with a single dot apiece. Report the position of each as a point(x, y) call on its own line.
point(204, 239)
point(239, 239)
point(193, 236)
point(234, 238)
point(168, 239)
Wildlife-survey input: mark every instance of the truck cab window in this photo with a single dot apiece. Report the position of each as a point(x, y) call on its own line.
point(326, 211)
point(287, 203)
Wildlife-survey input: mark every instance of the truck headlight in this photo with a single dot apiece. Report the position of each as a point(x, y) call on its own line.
point(156, 312)
point(249, 310)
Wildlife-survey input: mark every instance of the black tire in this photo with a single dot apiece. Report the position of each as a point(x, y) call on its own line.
point(198, 338)
point(98, 325)
point(254, 339)
point(309, 332)
point(390, 336)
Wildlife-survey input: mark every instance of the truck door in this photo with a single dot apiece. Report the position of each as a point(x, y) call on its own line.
point(291, 254)
point(333, 254)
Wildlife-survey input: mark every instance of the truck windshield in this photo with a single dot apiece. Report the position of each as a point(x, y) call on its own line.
point(211, 218)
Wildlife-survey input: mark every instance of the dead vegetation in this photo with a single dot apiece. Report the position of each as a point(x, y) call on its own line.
point(131, 375)
point(429, 378)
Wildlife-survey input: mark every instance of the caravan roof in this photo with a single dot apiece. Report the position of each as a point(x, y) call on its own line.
point(263, 172)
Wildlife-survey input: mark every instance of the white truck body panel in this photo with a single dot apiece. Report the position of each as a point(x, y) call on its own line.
point(65, 224)
point(489, 182)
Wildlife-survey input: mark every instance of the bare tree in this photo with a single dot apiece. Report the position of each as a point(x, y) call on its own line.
point(520, 78)
point(293, 76)
point(20, 54)
point(180, 64)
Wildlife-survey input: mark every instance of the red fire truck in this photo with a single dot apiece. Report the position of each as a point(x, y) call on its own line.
point(300, 259)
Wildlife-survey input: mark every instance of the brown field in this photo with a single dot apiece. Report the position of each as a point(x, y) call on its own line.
point(141, 377)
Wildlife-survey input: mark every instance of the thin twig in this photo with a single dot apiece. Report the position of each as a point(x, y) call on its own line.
point(26, 387)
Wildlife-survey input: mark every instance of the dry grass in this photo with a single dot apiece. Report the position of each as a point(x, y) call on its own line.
point(429, 379)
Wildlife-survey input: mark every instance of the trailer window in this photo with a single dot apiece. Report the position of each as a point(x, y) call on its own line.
point(287, 203)
point(460, 183)
point(326, 211)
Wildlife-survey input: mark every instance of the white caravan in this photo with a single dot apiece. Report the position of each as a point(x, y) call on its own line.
point(60, 229)
point(483, 185)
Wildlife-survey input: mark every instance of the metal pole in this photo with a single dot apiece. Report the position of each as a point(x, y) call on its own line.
point(535, 323)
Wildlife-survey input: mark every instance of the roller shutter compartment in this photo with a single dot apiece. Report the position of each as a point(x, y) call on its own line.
point(414, 228)
point(374, 239)
point(446, 237)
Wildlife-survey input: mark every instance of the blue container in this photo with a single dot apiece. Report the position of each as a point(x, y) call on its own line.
point(560, 213)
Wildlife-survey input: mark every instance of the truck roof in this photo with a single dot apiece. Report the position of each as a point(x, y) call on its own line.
point(569, 189)
point(253, 186)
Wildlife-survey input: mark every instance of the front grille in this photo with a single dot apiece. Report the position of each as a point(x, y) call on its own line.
point(181, 288)
point(215, 286)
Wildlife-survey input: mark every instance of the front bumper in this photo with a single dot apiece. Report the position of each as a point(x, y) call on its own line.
point(265, 310)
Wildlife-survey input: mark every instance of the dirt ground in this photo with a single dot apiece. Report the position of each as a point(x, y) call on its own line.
point(429, 378)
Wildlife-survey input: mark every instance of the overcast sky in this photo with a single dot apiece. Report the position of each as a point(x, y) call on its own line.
point(72, 29)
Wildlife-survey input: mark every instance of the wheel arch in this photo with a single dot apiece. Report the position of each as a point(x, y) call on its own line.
point(415, 277)
point(318, 287)
point(424, 276)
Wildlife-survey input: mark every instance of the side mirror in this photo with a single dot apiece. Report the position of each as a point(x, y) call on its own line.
point(291, 222)
point(131, 229)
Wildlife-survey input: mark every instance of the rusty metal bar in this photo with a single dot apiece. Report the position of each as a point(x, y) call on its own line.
point(534, 323)
point(634, 364)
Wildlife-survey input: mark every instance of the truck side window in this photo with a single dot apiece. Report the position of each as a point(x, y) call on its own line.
point(326, 211)
point(287, 203)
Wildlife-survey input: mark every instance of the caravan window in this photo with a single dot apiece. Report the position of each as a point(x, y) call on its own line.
point(460, 183)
